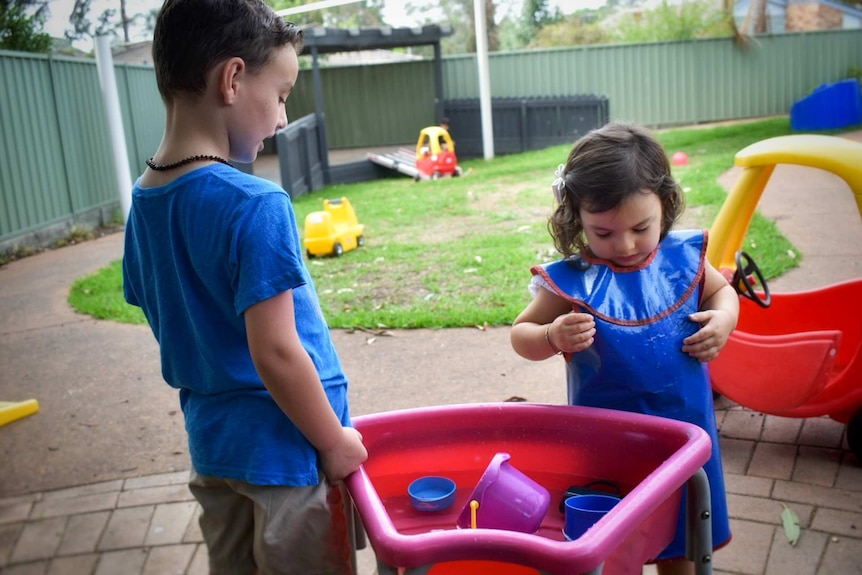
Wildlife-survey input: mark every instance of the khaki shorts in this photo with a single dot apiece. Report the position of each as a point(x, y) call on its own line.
point(273, 529)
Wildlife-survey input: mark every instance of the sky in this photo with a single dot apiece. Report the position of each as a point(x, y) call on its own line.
point(61, 10)
point(393, 12)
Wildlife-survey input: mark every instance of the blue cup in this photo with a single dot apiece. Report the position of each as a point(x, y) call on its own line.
point(583, 511)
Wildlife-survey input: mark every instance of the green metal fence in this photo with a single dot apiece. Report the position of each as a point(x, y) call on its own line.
point(143, 113)
point(54, 160)
point(379, 105)
point(56, 164)
point(672, 83)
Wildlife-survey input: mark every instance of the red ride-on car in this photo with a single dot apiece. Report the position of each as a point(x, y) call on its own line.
point(435, 154)
point(793, 354)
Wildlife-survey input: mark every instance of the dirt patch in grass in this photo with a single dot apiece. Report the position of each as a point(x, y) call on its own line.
point(493, 210)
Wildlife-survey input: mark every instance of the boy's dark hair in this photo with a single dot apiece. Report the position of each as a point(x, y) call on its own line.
point(193, 36)
point(604, 168)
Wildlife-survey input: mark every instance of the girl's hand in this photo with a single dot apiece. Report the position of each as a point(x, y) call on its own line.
point(572, 332)
point(717, 318)
point(716, 326)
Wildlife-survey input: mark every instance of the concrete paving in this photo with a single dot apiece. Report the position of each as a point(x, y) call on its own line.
point(95, 483)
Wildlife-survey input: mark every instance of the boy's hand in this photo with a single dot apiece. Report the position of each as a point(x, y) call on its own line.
point(573, 332)
point(705, 344)
point(345, 457)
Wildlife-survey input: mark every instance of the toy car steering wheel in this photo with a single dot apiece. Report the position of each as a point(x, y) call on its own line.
point(742, 281)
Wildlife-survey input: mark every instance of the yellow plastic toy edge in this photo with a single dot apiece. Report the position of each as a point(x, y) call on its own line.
point(12, 410)
point(731, 224)
point(840, 156)
point(837, 155)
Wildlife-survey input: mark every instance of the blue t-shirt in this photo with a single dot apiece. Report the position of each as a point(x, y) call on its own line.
point(200, 251)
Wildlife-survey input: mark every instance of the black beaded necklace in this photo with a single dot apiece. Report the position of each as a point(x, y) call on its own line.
point(184, 161)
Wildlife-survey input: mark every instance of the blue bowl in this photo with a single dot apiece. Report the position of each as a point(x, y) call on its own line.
point(431, 493)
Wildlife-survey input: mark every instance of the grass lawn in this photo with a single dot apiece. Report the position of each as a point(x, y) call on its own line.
point(457, 252)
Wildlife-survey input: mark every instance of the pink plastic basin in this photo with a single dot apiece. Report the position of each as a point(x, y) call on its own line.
point(650, 458)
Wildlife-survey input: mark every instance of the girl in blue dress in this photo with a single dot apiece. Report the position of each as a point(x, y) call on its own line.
point(635, 309)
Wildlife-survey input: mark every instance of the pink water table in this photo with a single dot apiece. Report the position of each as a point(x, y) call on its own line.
point(650, 458)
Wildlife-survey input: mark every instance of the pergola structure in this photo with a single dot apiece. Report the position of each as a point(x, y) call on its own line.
point(322, 40)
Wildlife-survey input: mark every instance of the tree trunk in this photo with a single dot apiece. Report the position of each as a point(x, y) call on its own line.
point(125, 20)
point(755, 19)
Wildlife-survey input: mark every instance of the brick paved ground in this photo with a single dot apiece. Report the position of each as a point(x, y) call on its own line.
point(148, 525)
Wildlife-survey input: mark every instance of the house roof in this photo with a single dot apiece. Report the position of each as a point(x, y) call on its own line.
point(329, 40)
point(836, 5)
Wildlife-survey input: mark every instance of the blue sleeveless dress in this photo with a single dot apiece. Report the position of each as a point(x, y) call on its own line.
point(636, 362)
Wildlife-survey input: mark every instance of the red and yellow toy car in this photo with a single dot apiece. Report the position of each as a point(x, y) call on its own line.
point(793, 354)
point(435, 154)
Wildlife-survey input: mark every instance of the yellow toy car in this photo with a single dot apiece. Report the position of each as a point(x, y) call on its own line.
point(334, 230)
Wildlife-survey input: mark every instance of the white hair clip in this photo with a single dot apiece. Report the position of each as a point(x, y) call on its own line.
point(559, 185)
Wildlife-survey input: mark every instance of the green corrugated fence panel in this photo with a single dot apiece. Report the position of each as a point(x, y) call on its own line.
point(34, 189)
point(672, 83)
point(461, 78)
point(84, 134)
point(398, 102)
point(130, 117)
point(143, 113)
point(370, 105)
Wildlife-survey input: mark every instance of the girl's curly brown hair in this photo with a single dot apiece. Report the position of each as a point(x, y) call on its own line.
point(604, 168)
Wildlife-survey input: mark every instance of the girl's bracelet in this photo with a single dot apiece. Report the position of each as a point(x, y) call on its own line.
point(550, 343)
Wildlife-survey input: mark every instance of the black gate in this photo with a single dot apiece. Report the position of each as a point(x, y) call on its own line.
point(522, 124)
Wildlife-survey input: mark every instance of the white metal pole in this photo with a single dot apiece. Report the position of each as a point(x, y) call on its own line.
point(108, 82)
point(484, 79)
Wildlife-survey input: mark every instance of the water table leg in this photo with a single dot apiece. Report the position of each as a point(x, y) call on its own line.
point(699, 523)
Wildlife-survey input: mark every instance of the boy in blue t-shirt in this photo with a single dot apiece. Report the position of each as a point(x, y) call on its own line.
point(214, 259)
